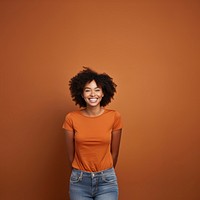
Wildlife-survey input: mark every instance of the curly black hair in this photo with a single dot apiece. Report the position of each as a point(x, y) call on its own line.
point(78, 82)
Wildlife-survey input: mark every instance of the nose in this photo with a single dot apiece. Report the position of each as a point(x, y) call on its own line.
point(92, 93)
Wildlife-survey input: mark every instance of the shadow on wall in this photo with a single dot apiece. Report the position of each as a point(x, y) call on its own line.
point(35, 164)
point(59, 159)
point(53, 176)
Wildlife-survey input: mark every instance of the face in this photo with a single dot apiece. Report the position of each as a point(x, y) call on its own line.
point(92, 94)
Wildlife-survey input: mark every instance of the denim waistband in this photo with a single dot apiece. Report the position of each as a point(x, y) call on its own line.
point(92, 174)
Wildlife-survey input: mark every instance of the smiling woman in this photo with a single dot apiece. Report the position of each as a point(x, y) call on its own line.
point(93, 136)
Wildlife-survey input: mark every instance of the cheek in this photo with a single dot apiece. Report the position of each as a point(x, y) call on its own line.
point(84, 94)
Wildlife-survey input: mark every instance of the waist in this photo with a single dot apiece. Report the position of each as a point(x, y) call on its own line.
point(93, 174)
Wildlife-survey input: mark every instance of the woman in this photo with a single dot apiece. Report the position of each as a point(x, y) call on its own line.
point(93, 136)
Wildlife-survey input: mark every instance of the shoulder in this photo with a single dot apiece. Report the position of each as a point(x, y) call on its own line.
point(113, 112)
point(116, 119)
point(72, 114)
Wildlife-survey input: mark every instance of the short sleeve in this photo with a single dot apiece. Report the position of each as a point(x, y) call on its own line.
point(68, 123)
point(117, 121)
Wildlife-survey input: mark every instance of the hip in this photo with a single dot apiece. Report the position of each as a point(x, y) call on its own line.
point(104, 177)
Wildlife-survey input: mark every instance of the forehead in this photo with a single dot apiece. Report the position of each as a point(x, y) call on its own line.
point(91, 84)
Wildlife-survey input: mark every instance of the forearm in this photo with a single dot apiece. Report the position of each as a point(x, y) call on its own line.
point(115, 144)
point(70, 158)
point(70, 147)
point(115, 158)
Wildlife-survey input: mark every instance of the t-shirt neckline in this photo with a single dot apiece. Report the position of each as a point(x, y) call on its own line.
point(92, 117)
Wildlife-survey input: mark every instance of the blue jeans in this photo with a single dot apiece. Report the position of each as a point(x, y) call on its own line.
point(93, 185)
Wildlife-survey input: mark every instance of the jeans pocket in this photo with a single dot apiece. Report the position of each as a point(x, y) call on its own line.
point(109, 178)
point(75, 177)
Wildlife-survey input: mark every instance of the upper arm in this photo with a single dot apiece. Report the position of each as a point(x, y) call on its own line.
point(69, 135)
point(115, 142)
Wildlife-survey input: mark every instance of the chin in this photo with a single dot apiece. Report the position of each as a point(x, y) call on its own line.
point(93, 105)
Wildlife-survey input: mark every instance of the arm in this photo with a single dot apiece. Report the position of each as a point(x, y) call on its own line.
point(69, 135)
point(115, 144)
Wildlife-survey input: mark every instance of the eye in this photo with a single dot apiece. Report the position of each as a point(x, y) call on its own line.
point(97, 90)
point(87, 90)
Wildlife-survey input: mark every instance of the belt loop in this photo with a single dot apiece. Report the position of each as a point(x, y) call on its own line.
point(81, 175)
point(102, 174)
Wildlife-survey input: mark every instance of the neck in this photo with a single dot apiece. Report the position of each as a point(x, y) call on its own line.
point(94, 111)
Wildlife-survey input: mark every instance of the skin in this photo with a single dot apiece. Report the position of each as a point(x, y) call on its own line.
point(92, 95)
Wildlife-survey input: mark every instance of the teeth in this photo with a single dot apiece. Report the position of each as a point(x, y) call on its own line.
point(93, 100)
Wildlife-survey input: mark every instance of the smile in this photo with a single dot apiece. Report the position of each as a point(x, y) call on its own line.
point(93, 100)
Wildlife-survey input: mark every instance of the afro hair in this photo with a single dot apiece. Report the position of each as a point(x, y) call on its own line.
point(104, 81)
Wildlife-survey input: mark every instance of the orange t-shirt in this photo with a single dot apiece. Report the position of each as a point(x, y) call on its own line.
point(92, 139)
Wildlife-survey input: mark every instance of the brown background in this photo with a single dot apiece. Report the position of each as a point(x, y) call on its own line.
point(150, 48)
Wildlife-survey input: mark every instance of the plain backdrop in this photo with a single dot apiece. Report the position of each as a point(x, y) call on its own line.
point(150, 48)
